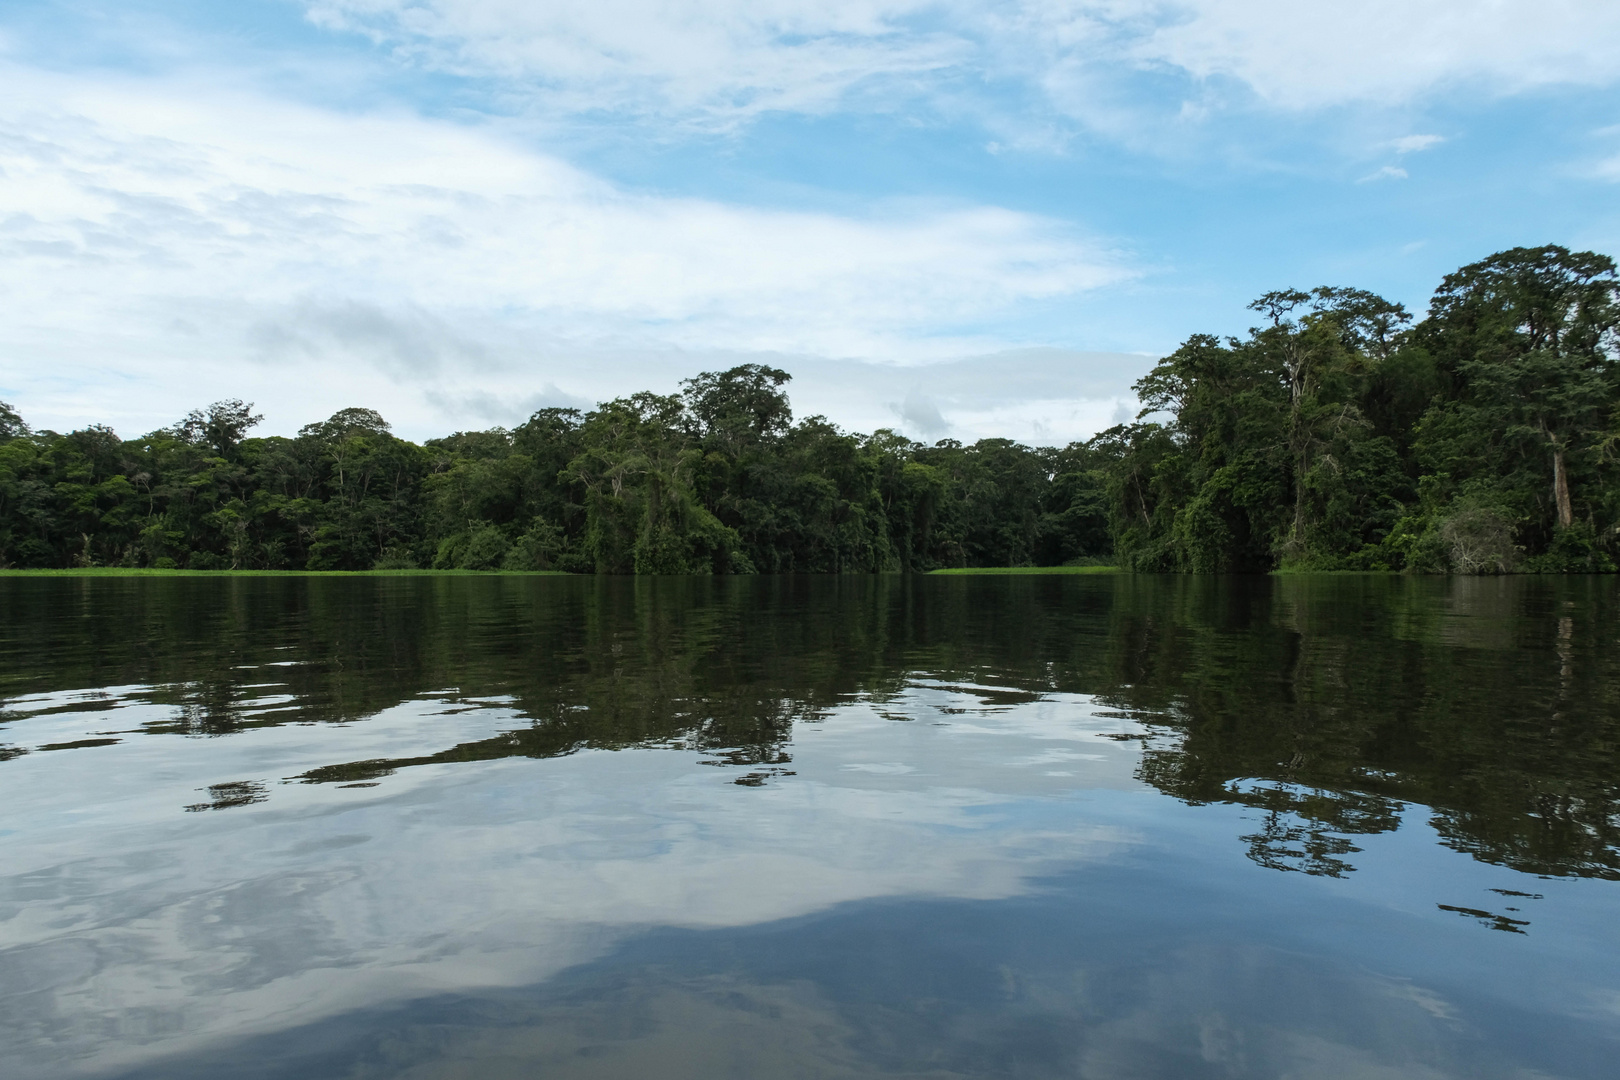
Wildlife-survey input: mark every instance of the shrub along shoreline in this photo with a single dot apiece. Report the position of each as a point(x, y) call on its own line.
point(1339, 434)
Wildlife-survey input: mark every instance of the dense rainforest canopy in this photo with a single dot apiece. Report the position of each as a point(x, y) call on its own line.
point(1338, 434)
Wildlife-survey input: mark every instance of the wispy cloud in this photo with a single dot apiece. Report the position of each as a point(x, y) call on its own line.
point(1416, 144)
point(277, 218)
point(710, 64)
point(270, 203)
point(725, 60)
point(197, 221)
point(1332, 52)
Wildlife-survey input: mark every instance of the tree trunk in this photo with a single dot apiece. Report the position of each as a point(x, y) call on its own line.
point(1299, 502)
point(1566, 513)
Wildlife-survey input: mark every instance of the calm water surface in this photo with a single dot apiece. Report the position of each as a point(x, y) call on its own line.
point(976, 827)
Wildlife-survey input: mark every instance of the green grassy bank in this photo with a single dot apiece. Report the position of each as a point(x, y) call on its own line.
point(1032, 570)
point(120, 571)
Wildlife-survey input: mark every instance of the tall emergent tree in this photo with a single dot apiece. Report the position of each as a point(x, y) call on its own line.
point(1528, 338)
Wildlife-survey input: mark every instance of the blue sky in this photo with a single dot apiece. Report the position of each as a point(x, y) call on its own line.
point(957, 219)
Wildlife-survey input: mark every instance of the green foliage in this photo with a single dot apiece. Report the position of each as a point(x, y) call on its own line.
point(719, 479)
point(539, 547)
point(1334, 436)
point(11, 425)
point(395, 558)
point(1481, 440)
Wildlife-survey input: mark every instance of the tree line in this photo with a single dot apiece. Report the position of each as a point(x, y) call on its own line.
point(718, 478)
point(1340, 433)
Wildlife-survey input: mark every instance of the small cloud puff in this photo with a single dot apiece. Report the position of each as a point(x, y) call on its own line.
point(921, 414)
point(1416, 144)
point(1388, 172)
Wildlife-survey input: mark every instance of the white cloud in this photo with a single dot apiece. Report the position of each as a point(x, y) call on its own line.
point(167, 234)
point(1606, 168)
point(920, 413)
point(1036, 396)
point(1388, 172)
point(1416, 144)
point(724, 60)
point(175, 236)
point(1328, 52)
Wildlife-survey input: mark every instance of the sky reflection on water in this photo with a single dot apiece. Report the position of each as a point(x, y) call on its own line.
point(1061, 827)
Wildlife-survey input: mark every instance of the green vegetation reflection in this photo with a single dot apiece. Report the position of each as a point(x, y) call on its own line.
point(1330, 707)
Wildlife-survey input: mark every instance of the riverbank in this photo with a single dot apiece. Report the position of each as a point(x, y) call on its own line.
point(126, 571)
point(1030, 570)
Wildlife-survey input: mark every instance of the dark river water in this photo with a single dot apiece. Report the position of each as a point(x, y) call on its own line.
point(1107, 827)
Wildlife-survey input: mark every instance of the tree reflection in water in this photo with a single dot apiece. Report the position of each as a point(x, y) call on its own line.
point(1333, 706)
